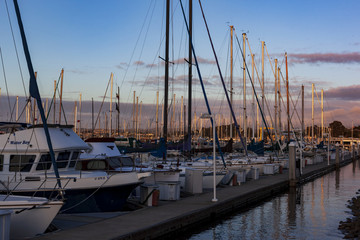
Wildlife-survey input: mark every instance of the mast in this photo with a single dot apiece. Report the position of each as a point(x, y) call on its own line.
point(244, 91)
point(276, 103)
point(75, 117)
point(166, 88)
point(190, 78)
point(254, 120)
point(118, 111)
point(157, 115)
point(279, 101)
point(92, 117)
point(111, 95)
point(302, 110)
point(133, 115)
point(312, 114)
point(181, 116)
point(231, 77)
point(322, 115)
point(80, 115)
point(173, 125)
point(34, 92)
point(287, 96)
point(136, 117)
point(61, 90)
point(54, 102)
point(139, 123)
point(262, 87)
point(17, 109)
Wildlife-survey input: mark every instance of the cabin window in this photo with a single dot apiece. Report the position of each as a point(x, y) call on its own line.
point(74, 157)
point(44, 163)
point(21, 163)
point(96, 165)
point(1, 162)
point(62, 159)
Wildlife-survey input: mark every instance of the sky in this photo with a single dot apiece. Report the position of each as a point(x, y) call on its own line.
point(92, 39)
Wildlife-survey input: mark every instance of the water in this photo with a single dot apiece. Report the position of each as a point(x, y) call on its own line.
point(313, 211)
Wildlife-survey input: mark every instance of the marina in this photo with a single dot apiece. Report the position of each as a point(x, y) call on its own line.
point(169, 219)
point(244, 155)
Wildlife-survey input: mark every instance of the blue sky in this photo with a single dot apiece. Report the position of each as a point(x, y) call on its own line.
point(91, 39)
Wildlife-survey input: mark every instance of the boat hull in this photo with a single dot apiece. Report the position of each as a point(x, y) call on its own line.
point(30, 216)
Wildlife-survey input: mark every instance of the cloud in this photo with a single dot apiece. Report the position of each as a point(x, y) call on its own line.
point(121, 65)
point(344, 93)
point(76, 71)
point(139, 63)
point(150, 65)
point(352, 57)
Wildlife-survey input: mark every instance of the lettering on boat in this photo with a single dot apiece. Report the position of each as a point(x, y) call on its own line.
point(100, 178)
point(20, 142)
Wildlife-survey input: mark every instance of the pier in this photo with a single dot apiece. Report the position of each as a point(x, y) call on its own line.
point(171, 218)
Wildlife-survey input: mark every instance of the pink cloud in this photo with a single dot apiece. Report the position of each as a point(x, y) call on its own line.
point(353, 57)
point(344, 93)
point(139, 63)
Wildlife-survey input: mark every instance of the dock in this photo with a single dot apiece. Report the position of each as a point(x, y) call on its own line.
point(171, 218)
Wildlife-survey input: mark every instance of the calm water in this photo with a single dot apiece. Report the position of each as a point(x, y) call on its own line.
point(313, 212)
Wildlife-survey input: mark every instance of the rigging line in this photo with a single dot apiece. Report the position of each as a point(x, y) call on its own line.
point(290, 97)
point(257, 99)
point(141, 51)
point(16, 51)
point(6, 85)
point(202, 84)
point(262, 87)
point(133, 52)
point(102, 103)
point(295, 110)
point(52, 99)
point(222, 81)
point(272, 69)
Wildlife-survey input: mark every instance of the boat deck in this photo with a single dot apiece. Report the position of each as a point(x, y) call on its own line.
point(171, 218)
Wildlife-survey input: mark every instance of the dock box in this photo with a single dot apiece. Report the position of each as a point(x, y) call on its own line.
point(169, 190)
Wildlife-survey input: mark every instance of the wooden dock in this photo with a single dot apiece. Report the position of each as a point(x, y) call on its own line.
point(172, 218)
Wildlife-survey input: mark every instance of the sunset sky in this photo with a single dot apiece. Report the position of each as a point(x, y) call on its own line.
point(92, 39)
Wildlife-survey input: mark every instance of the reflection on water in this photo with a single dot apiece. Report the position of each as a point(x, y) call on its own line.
point(312, 211)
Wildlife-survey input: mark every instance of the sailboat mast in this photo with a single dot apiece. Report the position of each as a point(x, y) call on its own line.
point(54, 102)
point(302, 110)
point(111, 95)
point(157, 115)
point(312, 114)
point(276, 103)
point(287, 96)
point(244, 91)
point(133, 114)
point(75, 117)
point(279, 101)
point(61, 90)
point(254, 120)
point(231, 77)
point(34, 92)
point(262, 87)
point(322, 114)
point(80, 114)
point(190, 75)
point(17, 109)
point(166, 88)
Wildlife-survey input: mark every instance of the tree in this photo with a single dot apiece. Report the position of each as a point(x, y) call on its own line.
point(337, 129)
